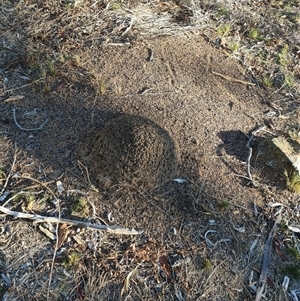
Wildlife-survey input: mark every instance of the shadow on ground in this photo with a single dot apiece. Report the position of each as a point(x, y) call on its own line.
point(54, 153)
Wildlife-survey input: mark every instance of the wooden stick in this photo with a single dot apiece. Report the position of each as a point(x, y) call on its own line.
point(12, 89)
point(41, 218)
point(266, 261)
point(233, 79)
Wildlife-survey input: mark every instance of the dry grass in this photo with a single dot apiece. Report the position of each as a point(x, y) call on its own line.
point(50, 38)
point(47, 44)
point(192, 264)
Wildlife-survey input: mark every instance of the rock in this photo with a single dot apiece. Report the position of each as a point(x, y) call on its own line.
point(132, 150)
point(280, 154)
point(283, 155)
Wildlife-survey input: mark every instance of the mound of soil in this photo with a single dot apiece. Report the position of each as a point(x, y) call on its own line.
point(133, 150)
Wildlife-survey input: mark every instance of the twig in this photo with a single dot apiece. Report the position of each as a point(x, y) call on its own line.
point(37, 185)
point(40, 218)
point(36, 81)
point(212, 273)
point(39, 182)
point(248, 161)
point(24, 129)
point(116, 44)
point(249, 166)
point(10, 172)
point(148, 93)
point(88, 176)
point(128, 28)
point(233, 79)
point(49, 219)
point(20, 193)
point(144, 90)
point(54, 254)
point(266, 260)
point(244, 177)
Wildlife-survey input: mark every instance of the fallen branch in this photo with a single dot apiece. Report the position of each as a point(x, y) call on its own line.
point(266, 261)
point(48, 219)
point(28, 130)
point(233, 79)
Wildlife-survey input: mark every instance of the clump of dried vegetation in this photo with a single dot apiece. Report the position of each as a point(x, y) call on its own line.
point(47, 42)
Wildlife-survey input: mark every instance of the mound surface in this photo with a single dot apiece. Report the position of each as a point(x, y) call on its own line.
point(133, 150)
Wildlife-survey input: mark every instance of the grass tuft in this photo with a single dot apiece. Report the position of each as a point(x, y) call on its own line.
point(293, 271)
point(80, 207)
point(294, 252)
point(268, 81)
point(292, 181)
point(283, 55)
point(72, 260)
point(224, 29)
point(254, 34)
point(207, 265)
point(224, 205)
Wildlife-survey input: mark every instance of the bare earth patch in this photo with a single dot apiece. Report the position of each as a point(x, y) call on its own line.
point(204, 225)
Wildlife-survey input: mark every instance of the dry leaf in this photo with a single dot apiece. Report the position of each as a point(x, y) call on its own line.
point(163, 260)
point(277, 243)
point(270, 282)
point(63, 233)
point(179, 180)
point(59, 187)
point(13, 98)
point(79, 292)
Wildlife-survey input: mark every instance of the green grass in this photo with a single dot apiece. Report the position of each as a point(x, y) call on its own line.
point(283, 55)
point(292, 271)
point(292, 181)
point(254, 34)
point(223, 30)
point(294, 252)
point(72, 260)
point(80, 207)
point(221, 10)
point(268, 81)
point(207, 265)
point(234, 46)
point(224, 205)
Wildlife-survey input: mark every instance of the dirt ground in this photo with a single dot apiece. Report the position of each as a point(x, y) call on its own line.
point(203, 234)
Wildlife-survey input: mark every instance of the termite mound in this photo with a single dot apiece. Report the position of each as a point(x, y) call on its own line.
point(132, 150)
